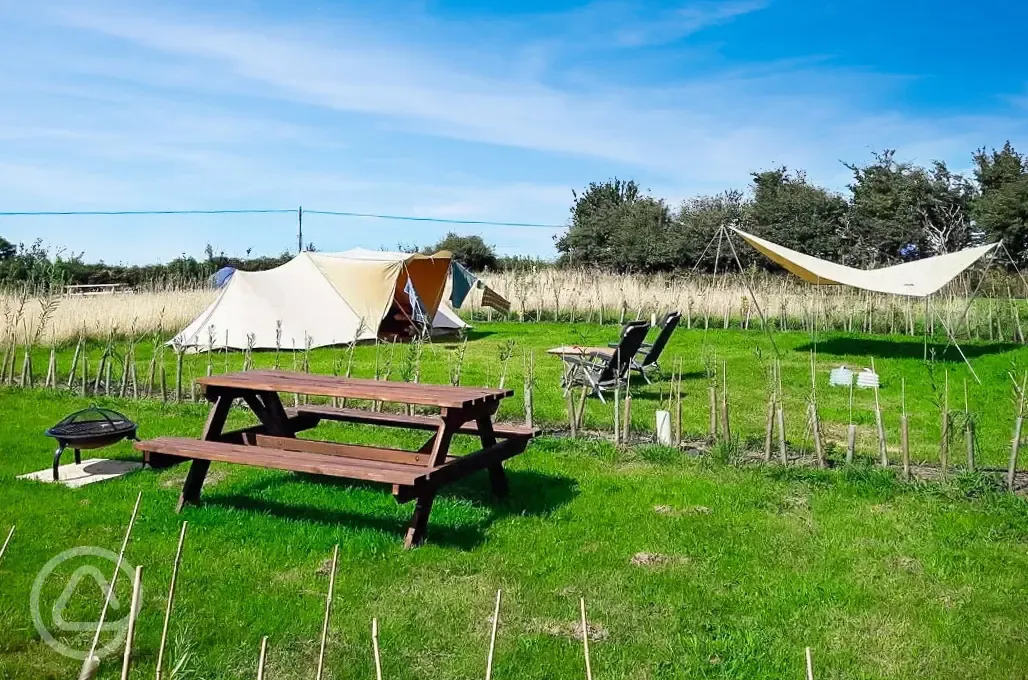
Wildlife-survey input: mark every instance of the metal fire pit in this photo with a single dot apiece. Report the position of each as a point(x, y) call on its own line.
point(90, 428)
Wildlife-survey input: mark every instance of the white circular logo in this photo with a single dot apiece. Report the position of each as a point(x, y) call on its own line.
point(85, 575)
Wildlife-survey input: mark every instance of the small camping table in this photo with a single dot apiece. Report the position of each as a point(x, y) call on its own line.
point(414, 475)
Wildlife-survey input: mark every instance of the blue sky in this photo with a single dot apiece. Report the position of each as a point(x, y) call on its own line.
point(467, 110)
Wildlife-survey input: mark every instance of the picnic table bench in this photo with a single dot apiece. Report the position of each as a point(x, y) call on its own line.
point(413, 475)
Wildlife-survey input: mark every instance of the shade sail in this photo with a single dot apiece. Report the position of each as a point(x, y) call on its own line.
point(319, 298)
point(919, 278)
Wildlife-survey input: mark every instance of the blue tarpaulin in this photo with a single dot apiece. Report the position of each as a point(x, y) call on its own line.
point(222, 276)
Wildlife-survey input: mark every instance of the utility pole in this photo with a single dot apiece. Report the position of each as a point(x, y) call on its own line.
point(299, 229)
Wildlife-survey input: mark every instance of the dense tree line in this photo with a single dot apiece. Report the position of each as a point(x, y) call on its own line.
point(892, 211)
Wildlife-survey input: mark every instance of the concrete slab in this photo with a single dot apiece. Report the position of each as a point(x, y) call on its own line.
point(87, 472)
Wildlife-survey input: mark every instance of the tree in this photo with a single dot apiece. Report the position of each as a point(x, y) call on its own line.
point(789, 210)
point(615, 226)
point(471, 251)
point(7, 249)
point(1001, 211)
point(902, 211)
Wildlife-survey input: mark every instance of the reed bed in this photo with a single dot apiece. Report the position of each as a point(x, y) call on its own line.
point(585, 296)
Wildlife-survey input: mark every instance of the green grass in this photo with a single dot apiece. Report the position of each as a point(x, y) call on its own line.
point(753, 563)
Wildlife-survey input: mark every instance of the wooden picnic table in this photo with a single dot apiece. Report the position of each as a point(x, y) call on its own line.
point(413, 475)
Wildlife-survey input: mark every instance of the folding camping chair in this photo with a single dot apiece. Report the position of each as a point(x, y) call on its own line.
point(603, 371)
point(645, 360)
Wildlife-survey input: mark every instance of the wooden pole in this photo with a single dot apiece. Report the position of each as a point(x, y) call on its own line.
point(89, 668)
point(879, 424)
point(263, 657)
point(968, 431)
point(904, 432)
point(1015, 445)
point(3, 549)
point(137, 592)
point(815, 425)
point(374, 645)
point(810, 665)
point(944, 443)
point(171, 600)
point(74, 363)
point(726, 427)
point(328, 613)
point(114, 578)
point(585, 642)
point(783, 453)
point(851, 431)
point(492, 639)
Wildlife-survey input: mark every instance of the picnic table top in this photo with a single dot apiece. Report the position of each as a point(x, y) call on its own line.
point(443, 396)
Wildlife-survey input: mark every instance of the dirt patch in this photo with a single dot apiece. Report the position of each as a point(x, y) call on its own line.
point(909, 565)
point(325, 568)
point(214, 477)
point(678, 512)
point(644, 559)
point(795, 503)
point(572, 630)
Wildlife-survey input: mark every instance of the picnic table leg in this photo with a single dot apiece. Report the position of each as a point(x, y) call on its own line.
point(274, 415)
point(418, 526)
point(194, 483)
point(497, 477)
point(212, 430)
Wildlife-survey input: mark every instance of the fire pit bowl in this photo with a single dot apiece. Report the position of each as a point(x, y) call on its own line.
point(90, 428)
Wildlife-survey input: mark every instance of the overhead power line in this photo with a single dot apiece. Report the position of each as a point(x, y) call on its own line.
point(294, 211)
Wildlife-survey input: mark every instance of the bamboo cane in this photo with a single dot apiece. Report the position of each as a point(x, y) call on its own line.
point(585, 642)
point(74, 363)
point(769, 427)
point(328, 613)
point(968, 431)
point(263, 657)
point(492, 639)
point(815, 424)
point(51, 369)
point(114, 579)
point(123, 387)
point(374, 645)
point(178, 375)
point(3, 549)
point(137, 588)
point(851, 431)
point(85, 374)
point(726, 427)
point(783, 452)
point(944, 442)
point(171, 600)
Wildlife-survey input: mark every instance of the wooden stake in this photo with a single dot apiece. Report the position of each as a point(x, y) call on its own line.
point(944, 443)
point(626, 425)
point(712, 398)
point(769, 427)
point(3, 549)
point(137, 591)
point(89, 668)
point(879, 425)
point(968, 431)
point(815, 425)
point(726, 428)
point(783, 452)
point(328, 613)
point(171, 600)
point(580, 413)
point(585, 642)
point(114, 578)
point(178, 375)
point(851, 432)
point(123, 388)
point(678, 407)
point(51, 369)
point(904, 433)
point(1015, 445)
point(492, 639)
point(572, 420)
point(810, 666)
point(263, 657)
point(617, 416)
point(164, 383)
point(374, 645)
point(85, 374)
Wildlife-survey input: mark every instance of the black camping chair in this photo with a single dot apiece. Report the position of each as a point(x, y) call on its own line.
point(646, 359)
point(604, 371)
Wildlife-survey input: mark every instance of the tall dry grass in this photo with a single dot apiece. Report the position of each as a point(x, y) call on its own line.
point(574, 296)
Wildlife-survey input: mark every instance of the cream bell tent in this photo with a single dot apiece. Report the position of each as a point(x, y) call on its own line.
point(324, 299)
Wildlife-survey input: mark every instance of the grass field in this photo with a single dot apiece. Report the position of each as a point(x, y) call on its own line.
point(690, 567)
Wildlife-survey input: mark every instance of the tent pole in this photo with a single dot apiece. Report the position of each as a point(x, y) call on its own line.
point(763, 319)
point(957, 345)
point(299, 230)
point(967, 307)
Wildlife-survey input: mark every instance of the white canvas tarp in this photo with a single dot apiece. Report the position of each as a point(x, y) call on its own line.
point(919, 278)
point(321, 299)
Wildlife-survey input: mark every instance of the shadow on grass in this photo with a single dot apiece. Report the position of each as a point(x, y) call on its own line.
point(903, 349)
point(531, 493)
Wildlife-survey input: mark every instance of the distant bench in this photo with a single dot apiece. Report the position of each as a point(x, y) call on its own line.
point(414, 475)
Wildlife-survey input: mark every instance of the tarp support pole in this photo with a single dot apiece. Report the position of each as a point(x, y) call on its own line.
point(742, 272)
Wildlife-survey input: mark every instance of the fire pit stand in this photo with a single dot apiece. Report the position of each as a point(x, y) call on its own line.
point(90, 428)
